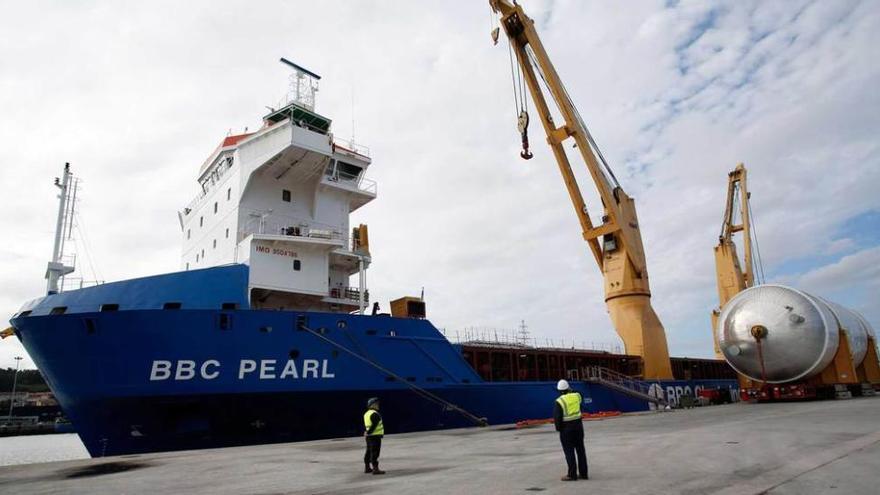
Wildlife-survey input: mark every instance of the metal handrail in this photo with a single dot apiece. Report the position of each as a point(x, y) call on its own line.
point(284, 225)
point(349, 293)
point(359, 181)
point(606, 376)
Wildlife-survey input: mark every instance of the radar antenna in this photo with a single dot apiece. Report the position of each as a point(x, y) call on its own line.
point(303, 85)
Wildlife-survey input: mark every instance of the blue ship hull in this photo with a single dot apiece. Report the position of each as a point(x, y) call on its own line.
point(139, 378)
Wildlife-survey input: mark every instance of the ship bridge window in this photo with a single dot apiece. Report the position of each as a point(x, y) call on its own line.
point(228, 194)
point(215, 207)
point(109, 307)
point(347, 171)
point(172, 305)
point(285, 195)
point(58, 310)
point(297, 265)
point(201, 221)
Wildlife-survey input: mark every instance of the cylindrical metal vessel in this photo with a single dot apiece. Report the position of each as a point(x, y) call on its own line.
point(856, 331)
point(799, 339)
point(868, 326)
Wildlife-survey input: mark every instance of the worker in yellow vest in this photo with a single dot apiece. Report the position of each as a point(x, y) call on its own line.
point(567, 417)
point(374, 430)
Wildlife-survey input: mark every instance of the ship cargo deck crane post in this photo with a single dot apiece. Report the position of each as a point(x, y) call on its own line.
point(616, 244)
point(730, 276)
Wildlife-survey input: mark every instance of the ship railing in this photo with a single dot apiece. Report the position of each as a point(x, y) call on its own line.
point(289, 226)
point(212, 180)
point(635, 386)
point(75, 283)
point(513, 338)
point(349, 293)
point(356, 181)
point(351, 146)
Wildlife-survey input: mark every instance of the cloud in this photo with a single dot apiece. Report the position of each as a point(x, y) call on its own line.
point(136, 95)
point(860, 268)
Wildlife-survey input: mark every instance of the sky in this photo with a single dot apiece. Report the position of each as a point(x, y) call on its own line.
point(135, 95)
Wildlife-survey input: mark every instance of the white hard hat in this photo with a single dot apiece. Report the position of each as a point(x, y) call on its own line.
point(562, 385)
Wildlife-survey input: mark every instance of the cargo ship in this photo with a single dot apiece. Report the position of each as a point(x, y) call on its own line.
point(261, 337)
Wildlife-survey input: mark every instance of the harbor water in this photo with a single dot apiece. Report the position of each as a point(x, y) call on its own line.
point(29, 449)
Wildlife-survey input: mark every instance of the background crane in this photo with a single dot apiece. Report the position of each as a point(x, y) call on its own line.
point(730, 276)
point(616, 244)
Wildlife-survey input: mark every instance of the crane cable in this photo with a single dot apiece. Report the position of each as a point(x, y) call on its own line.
point(418, 390)
point(577, 115)
point(520, 103)
point(758, 258)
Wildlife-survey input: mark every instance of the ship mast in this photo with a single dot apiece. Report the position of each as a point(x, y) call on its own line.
point(66, 204)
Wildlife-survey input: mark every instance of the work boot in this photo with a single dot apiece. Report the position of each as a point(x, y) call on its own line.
point(376, 469)
point(568, 478)
point(367, 469)
point(584, 477)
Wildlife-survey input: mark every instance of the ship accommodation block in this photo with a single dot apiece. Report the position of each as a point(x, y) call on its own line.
point(279, 200)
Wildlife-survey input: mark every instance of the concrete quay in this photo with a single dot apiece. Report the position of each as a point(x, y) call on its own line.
point(792, 448)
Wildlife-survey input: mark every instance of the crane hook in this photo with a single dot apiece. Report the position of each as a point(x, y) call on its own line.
point(523, 126)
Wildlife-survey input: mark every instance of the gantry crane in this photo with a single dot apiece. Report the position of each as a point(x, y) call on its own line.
point(730, 276)
point(616, 244)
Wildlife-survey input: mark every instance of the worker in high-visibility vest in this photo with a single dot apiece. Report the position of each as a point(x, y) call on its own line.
point(567, 417)
point(374, 430)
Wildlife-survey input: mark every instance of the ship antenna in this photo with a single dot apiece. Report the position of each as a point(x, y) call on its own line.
point(56, 268)
point(352, 119)
point(303, 85)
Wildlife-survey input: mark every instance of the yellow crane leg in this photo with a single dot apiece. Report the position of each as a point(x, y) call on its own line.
point(642, 334)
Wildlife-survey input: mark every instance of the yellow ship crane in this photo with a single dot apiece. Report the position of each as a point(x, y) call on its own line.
point(730, 276)
point(616, 244)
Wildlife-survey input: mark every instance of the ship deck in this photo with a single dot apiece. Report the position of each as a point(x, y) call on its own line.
point(793, 448)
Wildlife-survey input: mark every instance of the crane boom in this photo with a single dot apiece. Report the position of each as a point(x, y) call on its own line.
point(730, 277)
point(616, 244)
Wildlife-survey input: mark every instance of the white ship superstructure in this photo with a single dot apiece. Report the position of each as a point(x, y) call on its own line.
point(279, 200)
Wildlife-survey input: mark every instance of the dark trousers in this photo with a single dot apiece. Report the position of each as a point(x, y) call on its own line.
point(374, 446)
point(573, 443)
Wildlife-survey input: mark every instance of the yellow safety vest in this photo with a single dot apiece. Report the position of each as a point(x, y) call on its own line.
point(571, 406)
point(380, 428)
